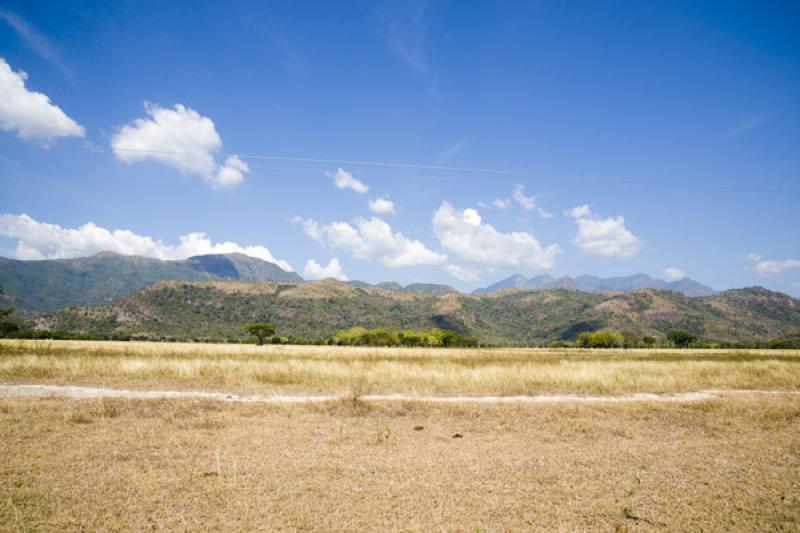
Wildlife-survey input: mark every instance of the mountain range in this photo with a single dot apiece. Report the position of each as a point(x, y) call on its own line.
point(35, 287)
point(218, 310)
point(413, 288)
point(585, 283)
point(44, 286)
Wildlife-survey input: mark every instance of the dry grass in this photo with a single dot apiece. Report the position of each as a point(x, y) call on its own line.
point(242, 368)
point(731, 464)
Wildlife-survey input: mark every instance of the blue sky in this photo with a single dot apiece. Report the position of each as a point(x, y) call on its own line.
point(585, 137)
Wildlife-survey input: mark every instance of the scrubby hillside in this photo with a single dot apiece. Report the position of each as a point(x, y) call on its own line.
point(219, 309)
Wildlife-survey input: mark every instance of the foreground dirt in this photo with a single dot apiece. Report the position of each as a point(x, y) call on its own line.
point(727, 464)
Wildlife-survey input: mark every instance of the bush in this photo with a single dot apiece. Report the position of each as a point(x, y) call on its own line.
point(601, 339)
point(358, 336)
point(681, 339)
point(784, 344)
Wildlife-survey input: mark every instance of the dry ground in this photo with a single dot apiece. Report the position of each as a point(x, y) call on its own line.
point(730, 464)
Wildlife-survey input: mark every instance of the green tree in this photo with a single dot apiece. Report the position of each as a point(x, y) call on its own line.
point(680, 338)
point(6, 326)
point(584, 339)
point(629, 339)
point(260, 330)
point(606, 339)
point(649, 341)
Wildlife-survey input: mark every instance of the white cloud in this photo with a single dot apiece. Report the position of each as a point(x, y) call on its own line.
point(525, 202)
point(372, 240)
point(344, 180)
point(501, 203)
point(39, 240)
point(382, 206)
point(181, 138)
point(29, 113)
point(580, 211)
point(463, 233)
point(674, 273)
point(528, 203)
point(603, 236)
point(314, 270)
point(771, 267)
point(461, 273)
point(231, 173)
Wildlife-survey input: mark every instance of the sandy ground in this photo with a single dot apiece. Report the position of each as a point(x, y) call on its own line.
point(77, 392)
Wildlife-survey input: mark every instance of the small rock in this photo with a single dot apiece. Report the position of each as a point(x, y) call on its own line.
point(458, 436)
point(419, 428)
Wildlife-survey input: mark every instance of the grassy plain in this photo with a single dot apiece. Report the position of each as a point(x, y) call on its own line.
point(731, 463)
point(247, 368)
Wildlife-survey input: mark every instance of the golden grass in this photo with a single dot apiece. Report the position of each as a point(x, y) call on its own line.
point(244, 368)
point(730, 464)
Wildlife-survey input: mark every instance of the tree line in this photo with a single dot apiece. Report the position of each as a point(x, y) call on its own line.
point(262, 332)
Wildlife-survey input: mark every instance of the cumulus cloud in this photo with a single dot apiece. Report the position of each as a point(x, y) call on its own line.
point(603, 236)
point(674, 273)
point(462, 273)
point(372, 240)
point(382, 206)
point(181, 138)
point(528, 203)
point(464, 233)
point(40, 240)
point(525, 202)
point(772, 267)
point(344, 180)
point(580, 211)
point(314, 270)
point(31, 114)
point(231, 173)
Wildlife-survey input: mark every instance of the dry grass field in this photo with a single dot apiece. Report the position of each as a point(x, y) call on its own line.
point(731, 463)
point(281, 369)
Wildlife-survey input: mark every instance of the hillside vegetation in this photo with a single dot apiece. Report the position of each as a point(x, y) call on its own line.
point(35, 287)
point(218, 310)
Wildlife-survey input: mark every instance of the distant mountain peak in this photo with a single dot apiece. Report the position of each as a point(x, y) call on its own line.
point(589, 283)
point(46, 285)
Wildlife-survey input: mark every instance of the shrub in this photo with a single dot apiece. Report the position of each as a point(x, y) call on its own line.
point(680, 338)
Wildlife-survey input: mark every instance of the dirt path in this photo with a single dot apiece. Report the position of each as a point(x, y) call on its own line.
point(69, 391)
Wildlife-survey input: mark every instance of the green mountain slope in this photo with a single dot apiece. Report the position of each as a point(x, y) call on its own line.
point(34, 287)
point(219, 310)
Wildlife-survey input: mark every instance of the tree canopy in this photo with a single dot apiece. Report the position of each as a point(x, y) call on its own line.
point(260, 330)
point(681, 339)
